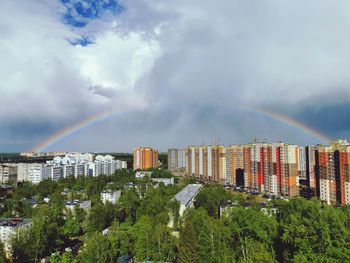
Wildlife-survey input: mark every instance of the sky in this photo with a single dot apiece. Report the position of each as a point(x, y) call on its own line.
point(171, 73)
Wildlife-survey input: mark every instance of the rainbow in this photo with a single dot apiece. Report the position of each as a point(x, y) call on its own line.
point(292, 123)
point(70, 131)
point(100, 117)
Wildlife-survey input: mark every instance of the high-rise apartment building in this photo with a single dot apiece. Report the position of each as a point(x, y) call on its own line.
point(176, 160)
point(235, 165)
point(332, 170)
point(289, 170)
point(207, 163)
point(258, 167)
point(145, 157)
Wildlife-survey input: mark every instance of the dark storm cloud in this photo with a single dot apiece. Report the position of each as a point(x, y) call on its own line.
point(334, 119)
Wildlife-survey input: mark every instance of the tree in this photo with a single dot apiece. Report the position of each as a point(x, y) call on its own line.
point(212, 237)
point(71, 227)
point(130, 202)
point(174, 207)
point(187, 244)
point(99, 249)
point(120, 237)
point(67, 257)
point(310, 232)
point(253, 234)
point(22, 250)
point(100, 217)
point(142, 233)
point(164, 244)
point(210, 198)
point(2, 253)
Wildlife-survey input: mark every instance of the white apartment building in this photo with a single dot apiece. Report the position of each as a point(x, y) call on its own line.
point(165, 181)
point(105, 165)
point(53, 172)
point(111, 196)
point(85, 205)
point(10, 227)
point(36, 174)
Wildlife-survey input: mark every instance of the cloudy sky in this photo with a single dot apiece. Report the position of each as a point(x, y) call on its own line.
point(172, 73)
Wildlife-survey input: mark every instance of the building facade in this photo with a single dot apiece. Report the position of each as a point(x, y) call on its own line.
point(111, 196)
point(10, 227)
point(145, 157)
point(177, 160)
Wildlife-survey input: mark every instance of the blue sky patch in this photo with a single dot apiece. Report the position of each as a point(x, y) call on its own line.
point(83, 41)
point(79, 13)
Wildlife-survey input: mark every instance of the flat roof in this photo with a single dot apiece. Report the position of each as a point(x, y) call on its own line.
point(187, 194)
point(13, 222)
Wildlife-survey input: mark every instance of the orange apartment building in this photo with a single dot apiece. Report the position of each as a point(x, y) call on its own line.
point(145, 157)
point(333, 172)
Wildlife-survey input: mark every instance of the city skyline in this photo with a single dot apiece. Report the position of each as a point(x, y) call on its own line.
point(108, 75)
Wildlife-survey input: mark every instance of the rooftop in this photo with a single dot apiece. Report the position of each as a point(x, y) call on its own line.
point(110, 191)
point(74, 202)
point(187, 194)
point(18, 221)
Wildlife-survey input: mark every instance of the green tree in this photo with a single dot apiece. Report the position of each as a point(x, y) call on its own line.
point(174, 207)
point(99, 249)
point(71, 227)
point(210, 198)
point(253, 234)
point(142, 234)
point(2, 253)
point(67, 257)
point(100, 217)
point(187, 244)
point(129, 203)
point(212, 237)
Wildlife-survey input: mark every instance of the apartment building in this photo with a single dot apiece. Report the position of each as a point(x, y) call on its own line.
point(8, 173)
point(83, 204)
point(145, 157)
point(10, 227)
point(176, 160)
point(258, 167)
point(235, 165)
point(332, 171)
point(111, 196)
point(289, 170)
point(207, 163)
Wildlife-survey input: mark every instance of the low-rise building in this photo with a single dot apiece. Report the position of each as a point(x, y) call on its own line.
point(10, 227)
point(141, 174)
point(111, 196)
point(83, 204)
point(187, 196)
point(74, 194)
point(165, 181)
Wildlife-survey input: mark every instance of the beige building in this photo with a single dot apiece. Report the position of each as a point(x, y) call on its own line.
point(8, 173)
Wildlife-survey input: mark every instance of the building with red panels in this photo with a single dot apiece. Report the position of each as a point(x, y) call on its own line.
point(289, 170)
point(332, 168)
